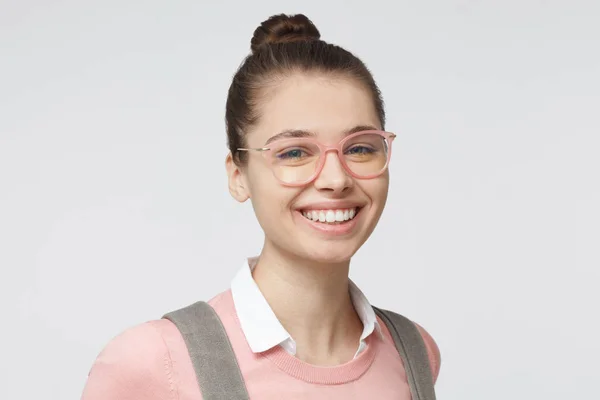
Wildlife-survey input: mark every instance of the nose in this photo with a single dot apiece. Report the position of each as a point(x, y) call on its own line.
point(333, 177)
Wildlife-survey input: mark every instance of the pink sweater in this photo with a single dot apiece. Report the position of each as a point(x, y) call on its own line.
point(150, 362)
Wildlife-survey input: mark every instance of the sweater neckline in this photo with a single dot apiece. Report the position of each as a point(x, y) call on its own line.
point(326, 375)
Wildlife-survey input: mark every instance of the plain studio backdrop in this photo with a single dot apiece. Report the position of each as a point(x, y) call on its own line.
point(114, 206)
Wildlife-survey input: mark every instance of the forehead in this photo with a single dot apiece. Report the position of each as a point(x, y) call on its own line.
point(325, 105)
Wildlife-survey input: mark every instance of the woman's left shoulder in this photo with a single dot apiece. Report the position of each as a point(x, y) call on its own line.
point(435, 358)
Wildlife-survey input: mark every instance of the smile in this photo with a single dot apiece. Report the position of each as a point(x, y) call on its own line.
point(339, 216)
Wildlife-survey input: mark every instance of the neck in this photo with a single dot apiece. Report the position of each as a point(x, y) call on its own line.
point(312, 302)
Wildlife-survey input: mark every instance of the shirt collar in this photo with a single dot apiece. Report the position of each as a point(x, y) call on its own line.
point(261, 327)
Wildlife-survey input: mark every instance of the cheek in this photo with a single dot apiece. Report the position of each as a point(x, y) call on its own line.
point(260, 180)
point(377, 190)
point(270, 199)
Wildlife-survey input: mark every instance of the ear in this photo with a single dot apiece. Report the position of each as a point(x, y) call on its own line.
point(237, 185)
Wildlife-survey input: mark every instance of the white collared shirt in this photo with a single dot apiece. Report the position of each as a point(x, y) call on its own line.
point(261, 327)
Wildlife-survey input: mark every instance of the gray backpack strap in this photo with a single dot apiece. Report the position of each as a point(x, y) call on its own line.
point(412, 350)
point(217, 370)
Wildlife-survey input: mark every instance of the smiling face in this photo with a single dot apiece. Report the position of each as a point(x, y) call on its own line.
point(327, 220)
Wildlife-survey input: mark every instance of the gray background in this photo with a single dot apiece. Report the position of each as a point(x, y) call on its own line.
point(114, 207)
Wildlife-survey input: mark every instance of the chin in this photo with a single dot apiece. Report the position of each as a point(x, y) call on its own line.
point(329, 253)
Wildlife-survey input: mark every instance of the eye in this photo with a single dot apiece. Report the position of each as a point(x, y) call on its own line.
point(291, 153)
point(360, 150)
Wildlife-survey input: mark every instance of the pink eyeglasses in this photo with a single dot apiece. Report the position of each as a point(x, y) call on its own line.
point(298, 161)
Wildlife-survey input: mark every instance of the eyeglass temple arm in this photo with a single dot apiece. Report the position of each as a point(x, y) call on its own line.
point(256, 149)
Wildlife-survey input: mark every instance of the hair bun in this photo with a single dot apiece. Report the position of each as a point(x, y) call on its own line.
point(284, 28)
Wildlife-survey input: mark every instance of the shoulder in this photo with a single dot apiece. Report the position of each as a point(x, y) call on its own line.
point(433, 350)
point(135, 364)
point(435, 358)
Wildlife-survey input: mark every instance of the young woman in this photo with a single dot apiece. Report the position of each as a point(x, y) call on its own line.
point(305, 123)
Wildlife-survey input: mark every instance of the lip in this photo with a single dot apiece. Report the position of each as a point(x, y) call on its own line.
point(328, 229)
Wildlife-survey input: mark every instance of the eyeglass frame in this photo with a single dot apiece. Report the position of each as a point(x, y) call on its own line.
point(323, 150)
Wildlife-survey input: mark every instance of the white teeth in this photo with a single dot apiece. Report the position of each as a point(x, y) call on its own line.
point(321, 216)
point(330, 216)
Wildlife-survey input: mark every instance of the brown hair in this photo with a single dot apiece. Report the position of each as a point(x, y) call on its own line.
point(283, 45)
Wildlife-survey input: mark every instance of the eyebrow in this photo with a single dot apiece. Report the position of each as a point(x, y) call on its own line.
point(299, 133)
